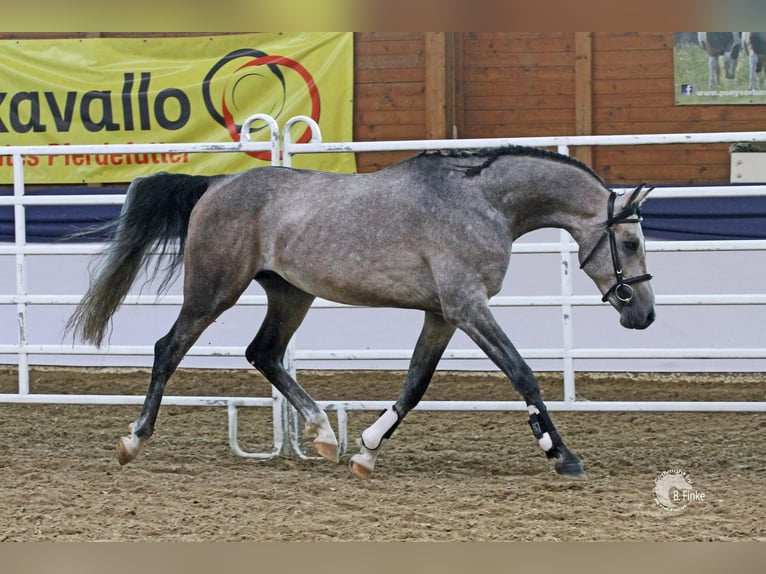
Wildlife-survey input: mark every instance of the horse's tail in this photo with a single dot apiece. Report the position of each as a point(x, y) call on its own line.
point(154, 216)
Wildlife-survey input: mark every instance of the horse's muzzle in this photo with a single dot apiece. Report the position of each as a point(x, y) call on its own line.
point(633, 318)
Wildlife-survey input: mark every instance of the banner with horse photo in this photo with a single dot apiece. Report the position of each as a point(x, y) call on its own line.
point(171, 90)
point(719, 67)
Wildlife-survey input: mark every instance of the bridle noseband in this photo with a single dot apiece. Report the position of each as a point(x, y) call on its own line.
point(622, 286)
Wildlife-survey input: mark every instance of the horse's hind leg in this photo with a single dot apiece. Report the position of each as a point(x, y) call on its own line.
point(207, 294)
point(287, 307)
point(168, 352)
point(433, 339)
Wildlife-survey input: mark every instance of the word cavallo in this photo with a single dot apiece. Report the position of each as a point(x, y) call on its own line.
point(97, 110)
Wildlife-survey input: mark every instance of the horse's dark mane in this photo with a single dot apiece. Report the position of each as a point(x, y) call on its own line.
point(490, 155)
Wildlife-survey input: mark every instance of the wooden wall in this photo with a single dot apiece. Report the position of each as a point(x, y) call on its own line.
point(420, 85)
point(633, 92)
point(505, 84)
point(389, 92)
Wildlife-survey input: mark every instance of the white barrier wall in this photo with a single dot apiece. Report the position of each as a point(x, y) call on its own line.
point(711, 302)
point(383, 338)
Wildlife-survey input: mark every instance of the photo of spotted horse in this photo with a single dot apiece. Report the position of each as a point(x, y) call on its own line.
point(754, 45)
point(717, 44)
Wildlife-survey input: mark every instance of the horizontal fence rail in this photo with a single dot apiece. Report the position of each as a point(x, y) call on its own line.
point(282, 150)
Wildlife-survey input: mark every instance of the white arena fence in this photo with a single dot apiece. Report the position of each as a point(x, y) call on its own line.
point(286, 432)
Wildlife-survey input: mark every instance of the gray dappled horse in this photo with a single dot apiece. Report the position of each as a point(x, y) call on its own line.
point(717, 44)
point(433, 233)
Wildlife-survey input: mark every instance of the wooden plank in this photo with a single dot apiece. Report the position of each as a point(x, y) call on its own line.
point(390, 103)
point(475, 129)
point(631, 86)
point(386, 132)
point(653, 63)
point(501, 36)
point(370, 37)
point(690, 114)
point(391, 90)
point(532, 101)
point(512, 117)
point(436, 85)
point(514, 87)
point(654, 55)
point(389, 78)
point(523, 60)
point(396, 75)
point(511, 44)
point(638, 100)
point(458, 84)
point(583, 92)
point(379, 62)
point(665, 126)
point(665, 164)
point(667, 154)
point(392, 48)
point(485, 75)
point(394, 118)
point(625, 41)
point(666, 175)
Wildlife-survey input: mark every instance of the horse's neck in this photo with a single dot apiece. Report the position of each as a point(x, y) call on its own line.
point(575, 205)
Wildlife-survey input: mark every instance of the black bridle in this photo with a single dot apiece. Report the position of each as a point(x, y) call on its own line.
point(622, 287)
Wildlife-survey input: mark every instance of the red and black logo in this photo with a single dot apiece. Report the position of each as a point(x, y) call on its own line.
point(239, 72)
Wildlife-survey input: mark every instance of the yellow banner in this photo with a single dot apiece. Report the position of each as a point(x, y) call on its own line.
point(170, 90)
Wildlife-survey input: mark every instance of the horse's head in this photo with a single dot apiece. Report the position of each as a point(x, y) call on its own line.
point(613, 255)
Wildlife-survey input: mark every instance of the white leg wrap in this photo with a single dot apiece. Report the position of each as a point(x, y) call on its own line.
point(366, 457)
point(545, 441)
point(372, 436)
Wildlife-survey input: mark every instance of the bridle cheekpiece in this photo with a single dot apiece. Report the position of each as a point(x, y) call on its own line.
point(622, 287)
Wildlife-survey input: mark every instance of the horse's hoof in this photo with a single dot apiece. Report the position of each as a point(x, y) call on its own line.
point(570, 467)
point(124, 453)
point(359, 471)
point(574, 475)
point(128, 447)
point(327, 450)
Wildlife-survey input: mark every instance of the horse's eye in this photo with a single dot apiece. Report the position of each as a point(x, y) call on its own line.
point(631, 245)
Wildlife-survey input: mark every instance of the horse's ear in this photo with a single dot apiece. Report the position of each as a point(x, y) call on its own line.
point(639, 194)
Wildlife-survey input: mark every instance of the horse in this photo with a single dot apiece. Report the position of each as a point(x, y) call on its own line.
point(754, 45)
point(717, 44)
point(431, 233)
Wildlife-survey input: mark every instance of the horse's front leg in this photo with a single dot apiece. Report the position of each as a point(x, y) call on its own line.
point(479, 324)
point(433, 339)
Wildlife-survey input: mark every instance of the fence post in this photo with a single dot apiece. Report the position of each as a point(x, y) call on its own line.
point(567, 326)
point(20, 232)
